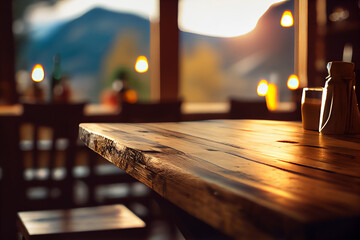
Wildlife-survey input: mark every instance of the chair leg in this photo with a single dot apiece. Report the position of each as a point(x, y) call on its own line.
point(91, 185)
point(20, 236)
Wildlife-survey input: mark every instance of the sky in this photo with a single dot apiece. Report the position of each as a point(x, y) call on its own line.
point(226, 18)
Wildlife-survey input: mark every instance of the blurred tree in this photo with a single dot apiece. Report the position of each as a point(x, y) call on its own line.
point(202, 75)
point(121, 57)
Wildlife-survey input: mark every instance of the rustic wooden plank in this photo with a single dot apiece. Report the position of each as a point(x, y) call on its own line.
point(247, 178)
point(313, 144)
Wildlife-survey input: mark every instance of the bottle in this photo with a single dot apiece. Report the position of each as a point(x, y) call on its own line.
point(56, 75)
point(339, 112)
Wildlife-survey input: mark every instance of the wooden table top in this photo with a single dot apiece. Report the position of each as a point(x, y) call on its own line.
point(251, 179)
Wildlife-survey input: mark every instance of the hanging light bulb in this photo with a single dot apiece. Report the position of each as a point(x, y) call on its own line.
point(262, 87)
point(287, 19)
point(37, 74)
point(293, 82)
point(141, 64)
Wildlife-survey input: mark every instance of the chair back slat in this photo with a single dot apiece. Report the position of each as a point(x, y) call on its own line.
point(247, 109)
point(62, 121)
point(151, 112)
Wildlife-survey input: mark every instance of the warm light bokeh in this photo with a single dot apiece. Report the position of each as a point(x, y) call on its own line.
point(287, 19)
point(262, 87)
point(131, 96)
point(272, 97)
point(293, 82)
point(38, 74)
point(141, 64)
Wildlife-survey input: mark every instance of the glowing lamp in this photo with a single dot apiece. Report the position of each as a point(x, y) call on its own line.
point(271, 97)
point(293, 82)
point(141, 64)
point(37, 92)
point(38, 74)
point(262, 87)
point(287, 19)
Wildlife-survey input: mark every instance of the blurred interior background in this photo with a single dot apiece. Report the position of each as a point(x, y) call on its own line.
point(219, 59)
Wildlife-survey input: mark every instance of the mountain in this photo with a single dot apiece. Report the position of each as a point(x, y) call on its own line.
point(83, 44)
point(83, 41)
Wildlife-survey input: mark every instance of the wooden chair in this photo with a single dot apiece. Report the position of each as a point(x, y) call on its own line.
point(151, 112)
point(48, 161)
point(132, 113)
point(104, 177)
point(146, 112)
point(9, 170)
point(138, 198)
point(107, 184)
point(55, 170)
point(103, 222)
point(244, 109)
point(53, 161)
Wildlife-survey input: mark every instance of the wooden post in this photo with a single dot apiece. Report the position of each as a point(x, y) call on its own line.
point(316, 62)
point(8, 93)
point(301, 41)
point(165, 52)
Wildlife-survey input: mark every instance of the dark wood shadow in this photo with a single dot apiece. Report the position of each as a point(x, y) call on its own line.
point(151, 112)
point(246, 109)
point(9, 174)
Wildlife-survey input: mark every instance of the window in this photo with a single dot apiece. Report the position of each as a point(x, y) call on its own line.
point(215, 68)
point(97, 42)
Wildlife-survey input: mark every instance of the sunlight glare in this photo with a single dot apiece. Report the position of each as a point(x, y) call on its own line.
point(227, 18)
point(287, 19)
point(65, 10)
point(141, 64)
point(38, 74)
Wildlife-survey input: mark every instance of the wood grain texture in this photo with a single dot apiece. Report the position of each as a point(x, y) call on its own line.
point(251, 179)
